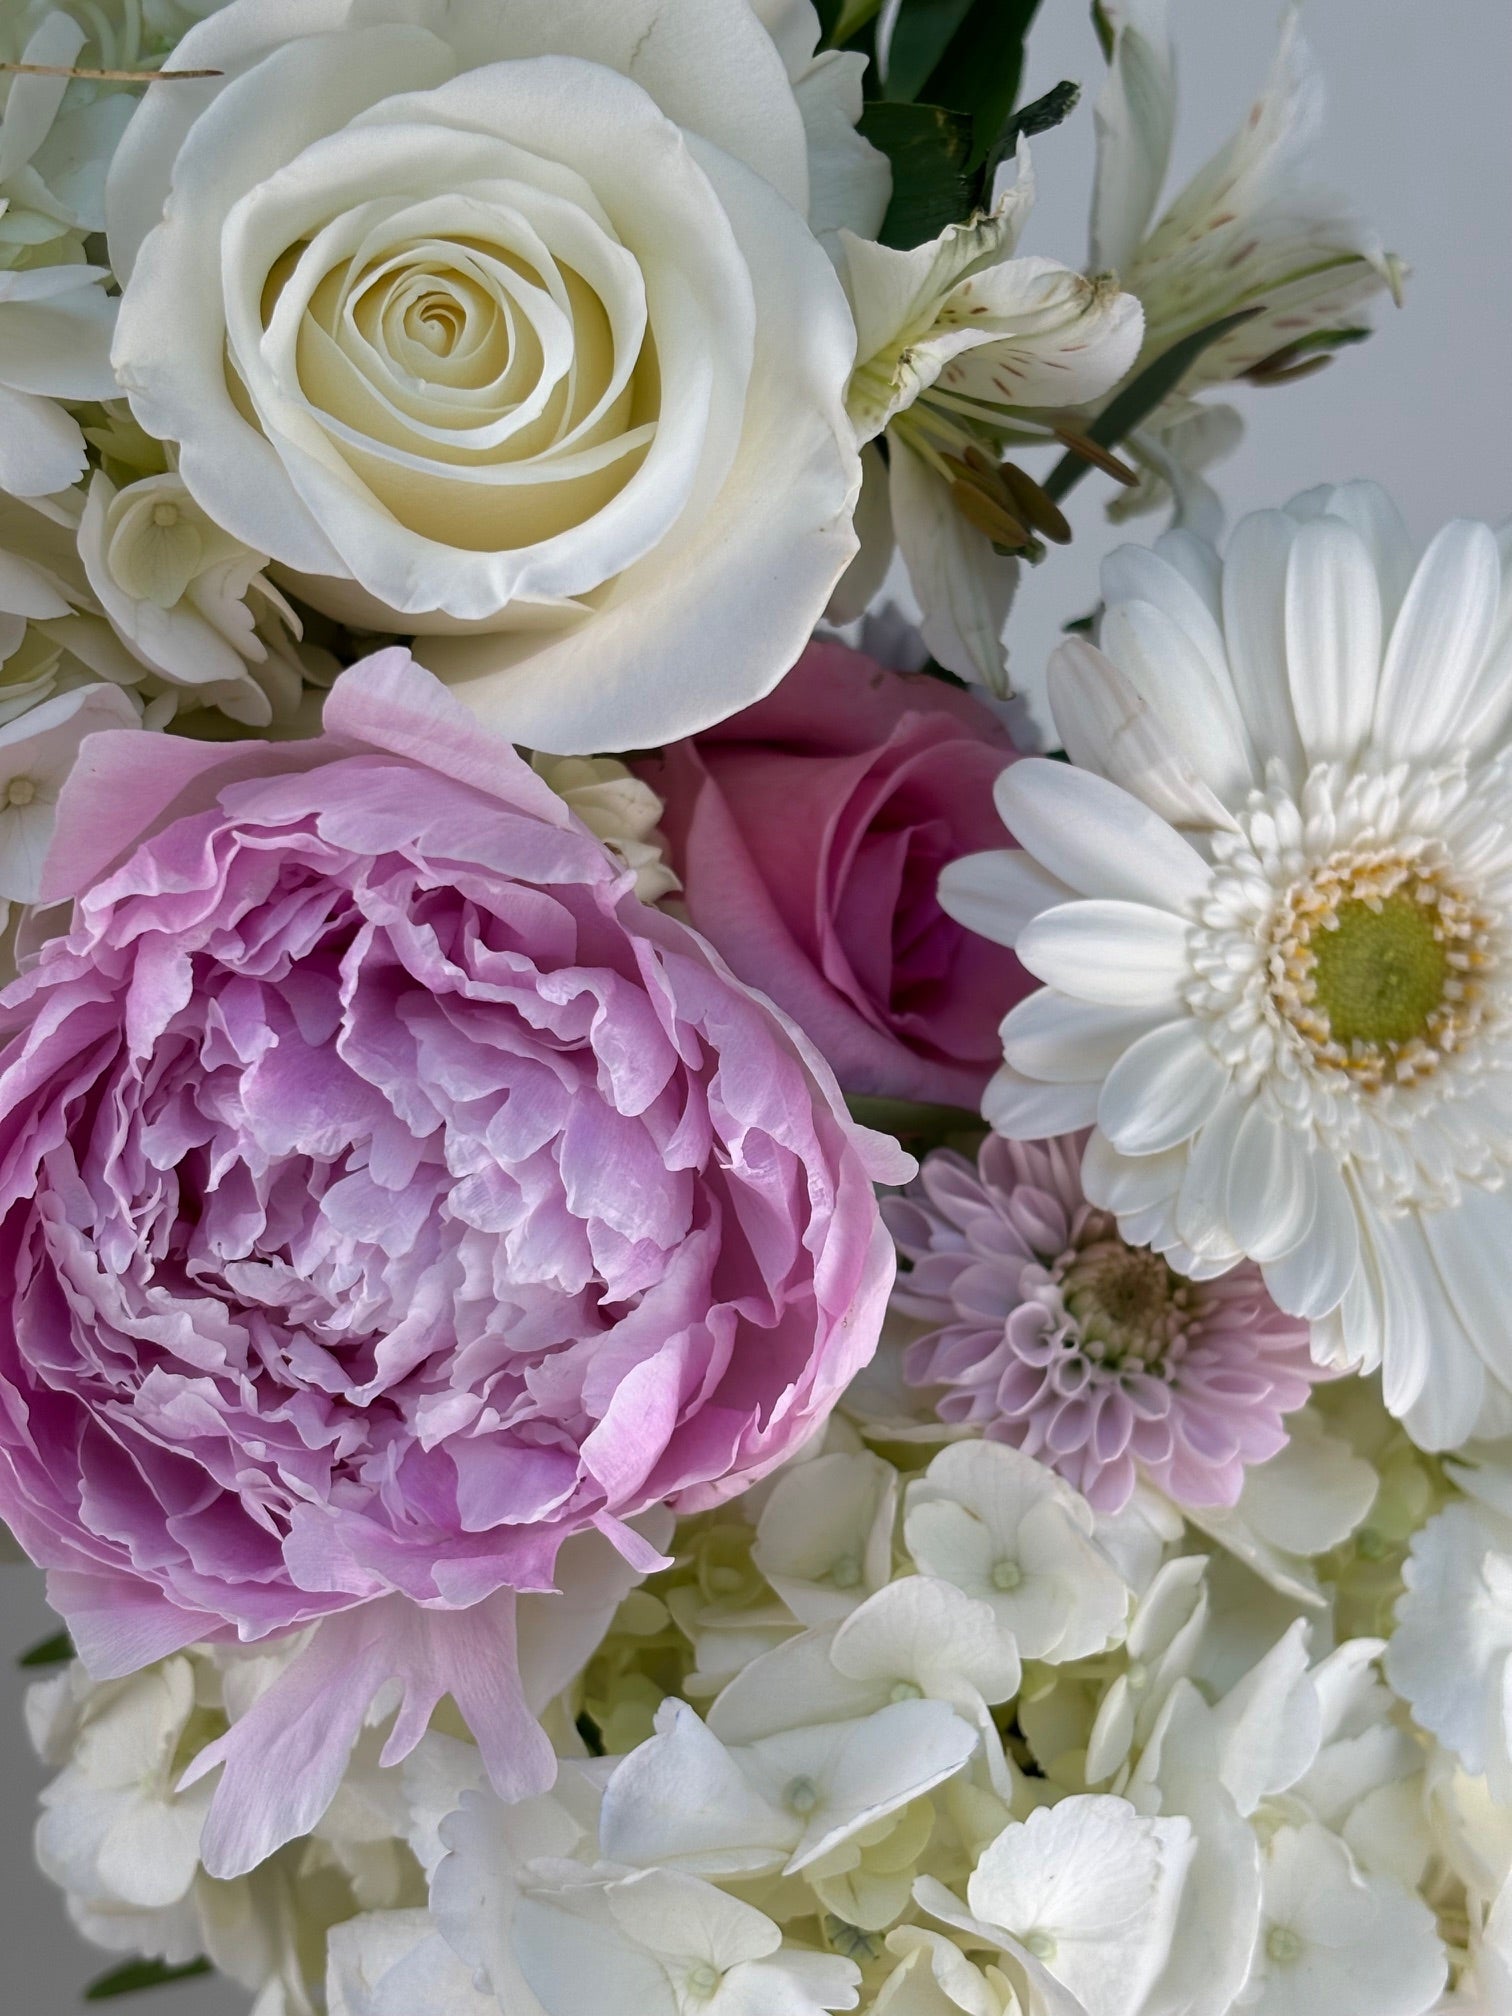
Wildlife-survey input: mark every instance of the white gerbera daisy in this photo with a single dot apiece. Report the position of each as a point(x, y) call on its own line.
point(1292, 1020)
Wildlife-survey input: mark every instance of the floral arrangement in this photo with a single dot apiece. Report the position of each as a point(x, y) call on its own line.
point(684, 1329)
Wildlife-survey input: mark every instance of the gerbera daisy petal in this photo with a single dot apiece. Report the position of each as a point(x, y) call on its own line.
point(1096, 838)
point(1068, 1041)
point(1022, 1109)
point(1113, 952)
point(1333, 638)
point(1271, 1191)
point(1439, 641)
point(1161, 1090)
point(1254, 624)
point(1172, 673)
point(997, 894)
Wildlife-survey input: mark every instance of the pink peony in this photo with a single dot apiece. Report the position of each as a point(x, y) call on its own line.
point(386, 1195)
point(810, 832)
point(1052, 1334)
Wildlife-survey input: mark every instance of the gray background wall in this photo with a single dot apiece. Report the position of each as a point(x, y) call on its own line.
point(1420, 139)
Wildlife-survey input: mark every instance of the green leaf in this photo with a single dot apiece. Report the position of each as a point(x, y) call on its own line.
point(54, 1651)
point(849, 19)
point(917, 1126)
point(1107, 34)
point(137, 1975)
point(980, 72)
point(1058, 103)
point(924, 31)
point(1139, 398)
point(929, 148)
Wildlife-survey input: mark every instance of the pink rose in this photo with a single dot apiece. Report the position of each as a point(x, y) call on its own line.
point(387, 1198)
point(810, 831)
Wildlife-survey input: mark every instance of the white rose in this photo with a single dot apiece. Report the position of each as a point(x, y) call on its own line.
point(504, 325)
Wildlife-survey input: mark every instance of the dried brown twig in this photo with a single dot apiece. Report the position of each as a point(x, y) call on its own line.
point(102, 76)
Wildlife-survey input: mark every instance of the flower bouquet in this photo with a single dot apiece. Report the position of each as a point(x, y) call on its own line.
point(697, 1320)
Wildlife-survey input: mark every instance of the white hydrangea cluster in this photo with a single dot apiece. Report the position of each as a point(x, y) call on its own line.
point(920, 1737)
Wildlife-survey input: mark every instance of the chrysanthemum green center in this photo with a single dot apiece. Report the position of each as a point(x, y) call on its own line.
point(1126, 1303)
point(1379, 974)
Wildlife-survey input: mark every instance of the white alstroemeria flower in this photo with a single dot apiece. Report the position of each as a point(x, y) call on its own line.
point(684, 1800)
point(38, 750)
point(1251, 229)
point(664, 1944)
point(824, 1539)
point(395, 1963)
point(55, 328)
point(919, 1638)
point(1008, 1532)
point(620, 809)
point(1164, 1634)
point(956, 342)
point(1089, 1888)
point(1292, 1026)
point(1333, 1938)
point(188, 600)
point(1450, 1658)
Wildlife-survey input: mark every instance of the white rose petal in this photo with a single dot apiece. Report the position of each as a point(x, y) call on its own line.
point(533, 352)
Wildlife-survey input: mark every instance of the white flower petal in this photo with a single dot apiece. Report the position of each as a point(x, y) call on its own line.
point(1023, 1109)
point(1108, 727)
point(1254, 623)
point(1071, 1042)
point(1311, 1279)
point(1439, 642)
point(1098, 839)
point(1272, 1189)
point(1123, 953)
point(1161, 1090)
point(1172, 674)
point(1123, 1183)
point(1135, 119)
point(964, 587)
point(997, 894)
point(1333, 638)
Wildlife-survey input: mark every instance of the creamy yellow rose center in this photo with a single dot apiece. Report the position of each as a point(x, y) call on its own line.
point(490, 401)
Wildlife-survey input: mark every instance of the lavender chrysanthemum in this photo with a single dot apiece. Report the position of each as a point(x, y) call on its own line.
point(1053, 1334)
